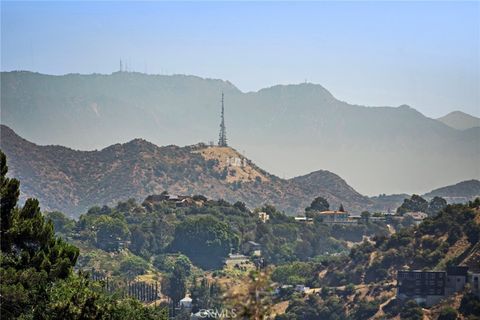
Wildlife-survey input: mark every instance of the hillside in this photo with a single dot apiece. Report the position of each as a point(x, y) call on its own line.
point(461, 192)
point(73, 181)
point(376, 149)
point(460, 120)
point(362, 285)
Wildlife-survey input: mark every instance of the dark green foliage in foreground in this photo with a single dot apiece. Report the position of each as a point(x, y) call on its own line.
point(36, 269)
point(61, 223)
point(448, 313)
point(79, 298)
point(470, 306)
point(31, 257)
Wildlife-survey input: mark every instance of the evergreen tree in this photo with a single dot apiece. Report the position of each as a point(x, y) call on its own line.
point(32, 257)
point(175, 285)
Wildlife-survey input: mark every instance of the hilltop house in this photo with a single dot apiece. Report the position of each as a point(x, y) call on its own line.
point(252, 248)
point(236, 259)
point(303, 219)
point(336, 217)
point(178, 201)
point(417, 216)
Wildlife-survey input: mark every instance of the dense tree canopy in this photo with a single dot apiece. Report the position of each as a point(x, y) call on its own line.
point(415, 203)
point(205, 240)
point(318, 204)
point(36, 269)
point(32, 258)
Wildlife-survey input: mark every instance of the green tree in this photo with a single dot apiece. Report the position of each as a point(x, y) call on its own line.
point(472, 230)
point(411, 311)
point(205, 240)
point(448, 313)
point(205, 295)
point(133, 266)
point(32, 258)
point(365, 216)
point(436, 205)
point(9, 191)
point(365, 310)
point(111, 232)
point(470, 305)
point(37, 280)
point(79, 298)
point(415, 203)
point(318, 204)
point(61, 223)
point(174, 285)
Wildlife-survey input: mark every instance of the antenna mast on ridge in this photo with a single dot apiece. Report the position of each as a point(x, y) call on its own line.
point(222, 137)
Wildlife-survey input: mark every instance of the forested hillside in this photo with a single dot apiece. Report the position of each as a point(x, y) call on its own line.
point(36, 268)
point(185, 246)
point(362, 284)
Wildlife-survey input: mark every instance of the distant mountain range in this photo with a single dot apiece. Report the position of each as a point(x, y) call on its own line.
point(287, 129)
point(460, 120)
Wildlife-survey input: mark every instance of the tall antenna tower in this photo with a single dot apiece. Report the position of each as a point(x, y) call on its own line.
point(222, 137)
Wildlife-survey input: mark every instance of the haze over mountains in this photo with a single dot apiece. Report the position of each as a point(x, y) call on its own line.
point(460, 120)
point(289, 130)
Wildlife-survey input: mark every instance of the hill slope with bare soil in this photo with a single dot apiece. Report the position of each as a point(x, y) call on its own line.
point(73, 181)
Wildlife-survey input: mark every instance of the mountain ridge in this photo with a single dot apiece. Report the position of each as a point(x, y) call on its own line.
point(460, 120)
point(72, 181)
point(397, 148)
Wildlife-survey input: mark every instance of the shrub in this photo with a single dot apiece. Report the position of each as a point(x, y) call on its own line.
point(448, 313)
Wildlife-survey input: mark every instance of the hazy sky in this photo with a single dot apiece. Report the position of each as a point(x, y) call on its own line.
point(424, 54)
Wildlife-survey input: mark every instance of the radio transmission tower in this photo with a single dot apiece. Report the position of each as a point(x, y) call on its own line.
point(222, 137)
